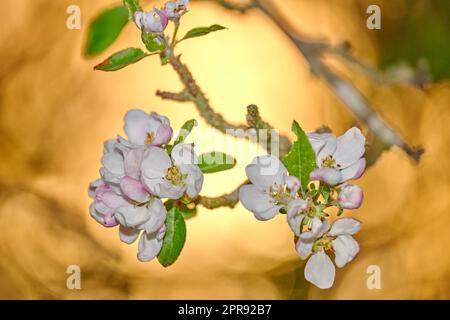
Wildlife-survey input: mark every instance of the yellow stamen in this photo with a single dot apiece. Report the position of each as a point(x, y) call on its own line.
point(149, 139)
point(328, 162)
point(174, 175)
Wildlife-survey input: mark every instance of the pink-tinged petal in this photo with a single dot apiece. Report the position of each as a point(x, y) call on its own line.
point(132, 163)
point(328, 175)
point(138, 19)
point(346, 249)
point(109, 221)
point(350, 197)
point(292, 183)
point(303, 248)
point(131, 216)
point(164, 18)
point(155, 163)
point(163, 135)
point(268, 214)
point(193, 181)
point(320, 271)
point(157, 217)
point(350, 147)
point(134, 189)
point(266, 172)
point(128, 235)
point(94, 186)
point(255, 200)
point(354, 171)
point(183, 153)
point(111, 199)
point(149, 246)
point(345, 226)
point(137, 126)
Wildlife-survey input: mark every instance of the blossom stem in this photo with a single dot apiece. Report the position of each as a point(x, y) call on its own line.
point(175, 32)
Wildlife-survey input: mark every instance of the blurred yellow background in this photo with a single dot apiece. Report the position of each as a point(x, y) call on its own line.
point(55, 113)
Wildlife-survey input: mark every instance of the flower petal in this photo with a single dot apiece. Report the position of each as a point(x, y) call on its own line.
point(255, 200)
point(266, 172)
point(350, 147)
point(303, 248)
point(292, 183)
point(194, 179)
point(345, 226)
point(157, 217)
point(113, 162)
point(132, 163)
point(320, 271)
point(111, 199)
point(354, 171)
point(128, 235)
point(346, 249)
point(134, 189)
point(131, 216)
point(163, 135)
point(149, 246)
point(137, 124)
point(294, 215)
point(330, 176)
point(155, 163)
point(350, 197)
point(268, 214)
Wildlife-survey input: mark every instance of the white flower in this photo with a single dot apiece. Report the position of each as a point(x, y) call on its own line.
point(271, 189)
point(172, 176)
point(338, 159)
point(143, 129)
point(154, 21)
point(350, 197)
point(319, 269)
point(174, 9)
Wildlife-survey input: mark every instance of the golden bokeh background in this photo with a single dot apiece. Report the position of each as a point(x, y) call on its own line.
point(55, 113)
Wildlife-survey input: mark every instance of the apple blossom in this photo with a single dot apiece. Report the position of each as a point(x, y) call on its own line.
point(143, 129)
point(350, 197)
point(271, 187)
point(172, 176)
point(338, 159)
point(174, 9)
point(319, 269)
point(154, 21)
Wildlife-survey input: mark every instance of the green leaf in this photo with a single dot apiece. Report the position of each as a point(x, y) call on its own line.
point(174, 239)
point(121, 59)
point(212, 162)
point(152, 43)
point(301, 159)
point(202, 31)
point(185, 130)
point(105, 29)
point(132, 6)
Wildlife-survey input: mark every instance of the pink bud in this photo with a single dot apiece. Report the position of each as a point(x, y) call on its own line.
point(350, 197)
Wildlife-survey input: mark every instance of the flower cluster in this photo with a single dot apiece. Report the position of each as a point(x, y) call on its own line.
point(137, 174)
point(156, 20)
point(273, 190)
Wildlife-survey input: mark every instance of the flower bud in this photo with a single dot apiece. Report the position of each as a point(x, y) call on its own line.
point(154, 21)
point(350, 197)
